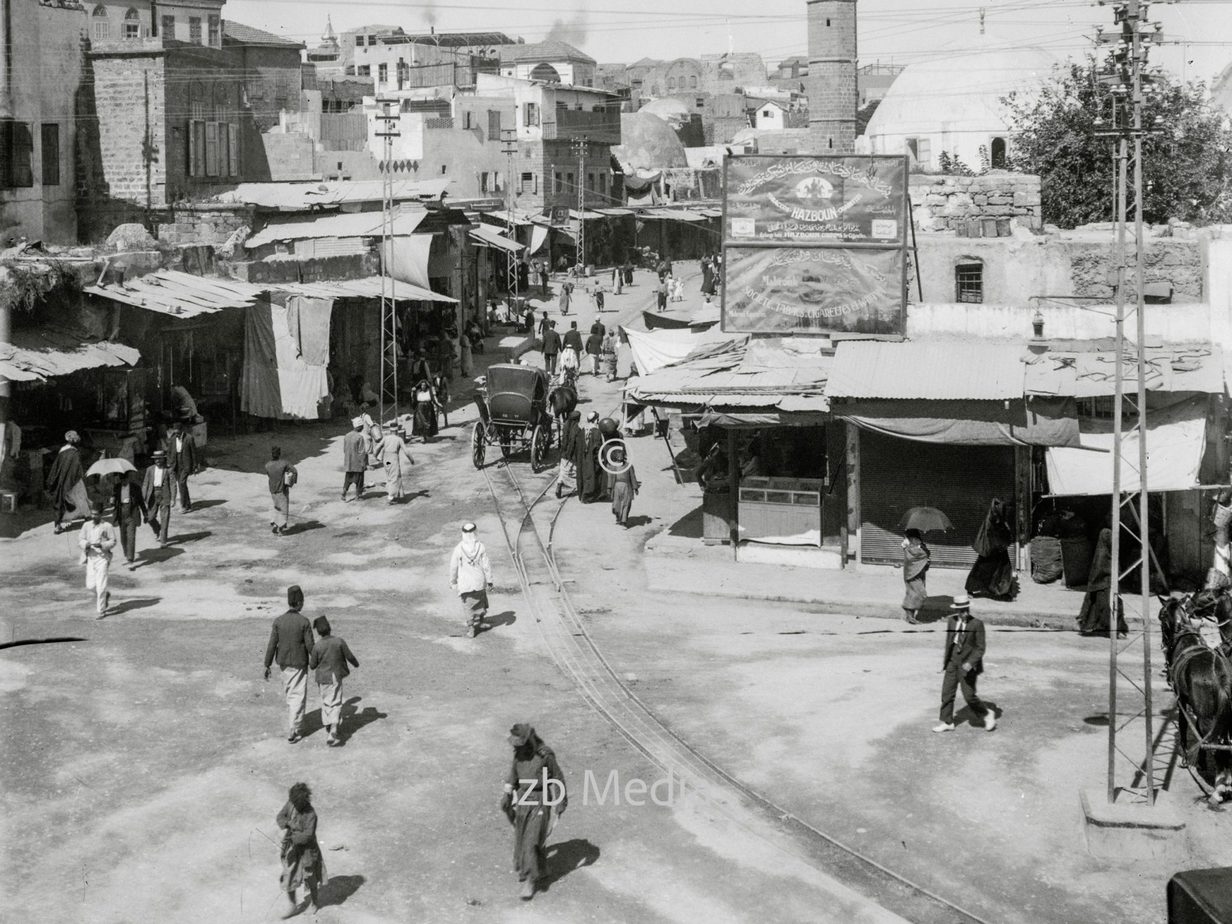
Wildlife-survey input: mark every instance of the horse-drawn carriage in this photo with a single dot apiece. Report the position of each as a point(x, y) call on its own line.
point(513, 410)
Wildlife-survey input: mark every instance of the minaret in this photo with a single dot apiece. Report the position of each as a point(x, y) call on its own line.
point(832, 95)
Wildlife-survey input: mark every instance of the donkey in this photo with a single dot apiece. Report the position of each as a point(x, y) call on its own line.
point(1201, 677)
point(562, 401)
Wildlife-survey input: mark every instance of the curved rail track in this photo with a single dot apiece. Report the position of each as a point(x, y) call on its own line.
point(575, 653)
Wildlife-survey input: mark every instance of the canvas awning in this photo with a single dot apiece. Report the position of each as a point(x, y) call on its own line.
point(181, 295)
point(39, 355)
point(487, 236)
point(1176, 441)
point(538, 237)
point(1040, 422)
point(343, 225)
point(673, 215)
point(652, 350)
point(519, 218)
point(296, 197)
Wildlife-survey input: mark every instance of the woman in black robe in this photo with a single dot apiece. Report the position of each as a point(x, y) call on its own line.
point(1096, 605)
point(992, 575)
point(589, 439)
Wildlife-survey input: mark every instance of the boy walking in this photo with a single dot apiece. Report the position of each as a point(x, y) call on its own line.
point(329, 659)
point(97, 539)
point(470, 573)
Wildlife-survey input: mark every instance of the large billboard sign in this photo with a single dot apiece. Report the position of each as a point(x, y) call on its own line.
point(814, 244)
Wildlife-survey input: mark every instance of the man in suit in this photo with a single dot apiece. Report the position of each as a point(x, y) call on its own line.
point(182, 460)
point(290, 642)
point(963, 662)
point(130, 512)
point(551, 347)
point(354, 459)
point(158, 487)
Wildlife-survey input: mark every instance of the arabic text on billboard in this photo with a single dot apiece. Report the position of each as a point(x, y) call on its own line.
point(813, 290)
point(816, 199)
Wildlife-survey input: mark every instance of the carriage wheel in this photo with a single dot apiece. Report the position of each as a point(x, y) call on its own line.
point(538, 448)
point(506, 442)
point(477, 444)
point(1203, 769)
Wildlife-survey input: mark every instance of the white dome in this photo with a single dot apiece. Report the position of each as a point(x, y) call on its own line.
point(954, 100)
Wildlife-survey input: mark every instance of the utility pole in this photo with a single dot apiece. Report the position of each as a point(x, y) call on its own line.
point(389, 312)
point(579, 146)
point(509, 147)
point(1129, 677)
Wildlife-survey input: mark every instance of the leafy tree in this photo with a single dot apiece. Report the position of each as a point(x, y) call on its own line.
point(1186, 171)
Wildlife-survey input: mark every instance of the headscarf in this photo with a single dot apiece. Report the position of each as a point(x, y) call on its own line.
point(470, 540)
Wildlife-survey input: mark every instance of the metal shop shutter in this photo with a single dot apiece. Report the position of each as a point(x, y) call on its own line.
point(896, 475)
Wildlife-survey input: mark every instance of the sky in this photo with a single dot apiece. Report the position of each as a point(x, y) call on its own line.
point(900, 31)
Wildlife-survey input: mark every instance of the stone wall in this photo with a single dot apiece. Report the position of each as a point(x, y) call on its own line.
point(185, 225)
point(1173, 262)
point(128, 96)
point(976, 206)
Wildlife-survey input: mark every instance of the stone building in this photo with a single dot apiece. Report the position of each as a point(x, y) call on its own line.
point(40, 71)
point(549, 62)
point(166, 119)
point(454, 132)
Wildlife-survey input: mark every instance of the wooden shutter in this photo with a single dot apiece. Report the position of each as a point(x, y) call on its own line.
point(211, 149)
point(233, 149)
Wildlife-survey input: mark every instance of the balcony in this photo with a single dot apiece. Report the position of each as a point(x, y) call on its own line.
point(567, 124)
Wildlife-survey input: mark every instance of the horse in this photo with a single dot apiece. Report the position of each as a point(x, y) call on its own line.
point(1201, 678)
point(562, 401)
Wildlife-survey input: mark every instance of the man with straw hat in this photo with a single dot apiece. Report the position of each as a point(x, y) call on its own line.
point(963, 662)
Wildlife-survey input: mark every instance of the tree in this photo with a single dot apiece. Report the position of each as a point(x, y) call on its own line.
point(1186, 171)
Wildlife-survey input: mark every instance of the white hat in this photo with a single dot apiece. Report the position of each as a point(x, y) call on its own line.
point(961, 603)
point(468, 527)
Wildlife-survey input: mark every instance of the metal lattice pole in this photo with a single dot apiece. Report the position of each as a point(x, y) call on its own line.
point(388, 408)
point(1130, 679)
point(580, 147)
point(509, 147)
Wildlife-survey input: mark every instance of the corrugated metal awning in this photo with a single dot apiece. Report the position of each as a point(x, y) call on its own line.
point(519, 218)
point(368, 287)
point(300, 196)
point(339, 225)
point(488, 236)
point(1085, 370)
point(181, 295)
point(933, 370)
point(587, 215)
point(36, 356)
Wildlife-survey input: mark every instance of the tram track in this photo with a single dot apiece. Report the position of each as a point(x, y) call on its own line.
point(574, 651)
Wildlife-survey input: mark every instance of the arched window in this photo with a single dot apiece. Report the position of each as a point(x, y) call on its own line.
point(692, 83)
point(545, 73)
point(132, 24)
point(671, 84)
point(102, 28)
point(997, 152)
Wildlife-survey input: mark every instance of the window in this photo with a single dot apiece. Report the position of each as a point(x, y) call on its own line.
point(766, 113)
point(16, 154)
point(51, 154)
point(603, 184)
point(997, 153)
point(528, 183)
point(101, 27)
point(215, 25)
point(359, 41)
point(483, 182)
point(926, 152)
point(671, 84)
point(372, 40)
point(558, 182)
point(530, 114)
point(168, 27)
point(590, 181)
point(364, 70)
point(194, 30)
point(969, 282)
point(132, 24)
point(569, 187)
point(692, 83)
point(468, 120)
point(494, 124)
point(382, 74)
